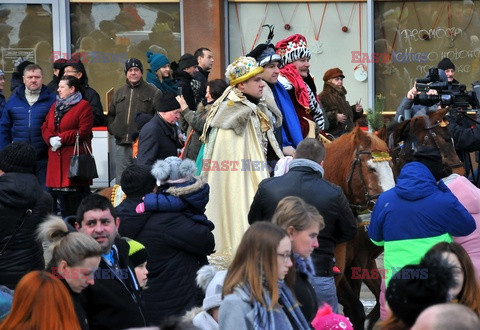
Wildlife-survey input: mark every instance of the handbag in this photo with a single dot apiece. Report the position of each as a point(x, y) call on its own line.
point(82, 166)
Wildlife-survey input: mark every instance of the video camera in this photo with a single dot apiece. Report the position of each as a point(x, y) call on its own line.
point(454, 95)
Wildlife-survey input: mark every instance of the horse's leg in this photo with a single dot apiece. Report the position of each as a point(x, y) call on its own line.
point(340, 259)
point(352, 306)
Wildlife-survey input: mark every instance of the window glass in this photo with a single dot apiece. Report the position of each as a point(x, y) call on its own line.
point(25, 34)
point(411, 37)
point(107, 34)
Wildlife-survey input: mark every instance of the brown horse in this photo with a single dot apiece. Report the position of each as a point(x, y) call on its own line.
point(427, 130)
point(359, 163)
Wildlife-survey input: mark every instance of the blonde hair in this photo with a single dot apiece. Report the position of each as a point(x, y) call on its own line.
point(63, 245)
point(294, 212)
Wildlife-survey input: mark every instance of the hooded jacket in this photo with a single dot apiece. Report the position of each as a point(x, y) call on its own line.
point(18, 193)
point(469, 196)
point(178, 243)
point(415, 215)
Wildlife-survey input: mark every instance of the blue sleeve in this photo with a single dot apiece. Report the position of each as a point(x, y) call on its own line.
point(375, 229)
point(5, 128)
point(164, 202)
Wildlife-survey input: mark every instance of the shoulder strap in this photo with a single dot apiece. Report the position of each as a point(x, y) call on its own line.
point(19, 226)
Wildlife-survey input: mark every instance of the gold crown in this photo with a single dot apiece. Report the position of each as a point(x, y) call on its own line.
point(242, 69)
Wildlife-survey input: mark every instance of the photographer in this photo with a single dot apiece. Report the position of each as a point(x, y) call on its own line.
point(447, 65)
point(407, 109)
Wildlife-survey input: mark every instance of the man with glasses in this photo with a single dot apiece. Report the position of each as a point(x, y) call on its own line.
point(74, 67)
point(24, 114)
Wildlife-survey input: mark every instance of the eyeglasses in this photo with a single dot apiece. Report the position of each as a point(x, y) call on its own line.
point(286, 256)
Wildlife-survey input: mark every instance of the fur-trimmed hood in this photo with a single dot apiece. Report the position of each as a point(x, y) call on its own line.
point(194, 192)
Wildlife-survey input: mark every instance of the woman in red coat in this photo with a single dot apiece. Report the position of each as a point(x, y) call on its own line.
point(68, 116)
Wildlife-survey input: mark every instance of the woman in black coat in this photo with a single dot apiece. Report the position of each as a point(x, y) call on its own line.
point(302, 222)
point(23, 207)
point(177, 234)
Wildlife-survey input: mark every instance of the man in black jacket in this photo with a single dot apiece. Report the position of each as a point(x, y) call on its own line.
point(114, 301)
point(305, 180)
point(204, 58)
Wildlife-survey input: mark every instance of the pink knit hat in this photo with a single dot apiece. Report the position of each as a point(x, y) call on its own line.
point(327, 320)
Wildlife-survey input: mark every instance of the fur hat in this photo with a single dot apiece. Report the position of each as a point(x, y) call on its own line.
point(133, 62)
point(173, 170)
point(446, 64)
point(17, 157)
point(167, 102)
point(137, 180)
point(156, 61)
point(186, 61)
point(242, 69)
point(333, 73)
point(211, 281)
point(293, 48)
point(265, 54)
point(417, 287)
point(327, 319)
point(137, 254)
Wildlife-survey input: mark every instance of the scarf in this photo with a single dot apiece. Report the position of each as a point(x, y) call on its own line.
point(276, 318)
point(290, 72)
point(304, 265)
point(304, 94)
point(307, 163)
point(32, 96)
point(63, 105)
point(166, 85)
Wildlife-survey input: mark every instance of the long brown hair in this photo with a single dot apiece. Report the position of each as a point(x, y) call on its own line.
point(470, 294)
point(41, 301)
point(256, 262)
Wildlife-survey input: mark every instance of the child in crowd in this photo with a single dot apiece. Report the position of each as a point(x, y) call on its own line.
point(211, 281)
point(138, 256)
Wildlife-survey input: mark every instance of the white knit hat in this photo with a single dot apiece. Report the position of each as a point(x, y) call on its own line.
point(211, 282)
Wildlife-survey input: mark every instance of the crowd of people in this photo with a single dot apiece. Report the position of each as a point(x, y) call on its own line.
point(204, 236)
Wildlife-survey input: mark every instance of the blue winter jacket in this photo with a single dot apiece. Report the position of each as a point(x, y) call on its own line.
point(22, 122)
point(415, 215)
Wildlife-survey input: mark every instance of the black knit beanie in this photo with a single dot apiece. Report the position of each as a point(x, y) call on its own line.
point(137, 180)
point(446, 64)
point(133, 62)
point(414, 288)
point(137, 253)
point(168, 102)
point(187, 60)
point(431, 158)
point(17, 157)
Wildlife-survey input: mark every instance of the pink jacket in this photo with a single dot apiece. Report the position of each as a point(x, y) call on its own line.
point(469, 197)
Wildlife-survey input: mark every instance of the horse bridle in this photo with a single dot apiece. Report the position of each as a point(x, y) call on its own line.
point(430, 134)
point(370, 199)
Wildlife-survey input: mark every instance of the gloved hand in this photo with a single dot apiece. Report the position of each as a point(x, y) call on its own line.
point(55, 142)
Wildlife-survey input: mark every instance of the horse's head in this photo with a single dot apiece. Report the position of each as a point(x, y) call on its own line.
point(431, 130)
point(360, 164)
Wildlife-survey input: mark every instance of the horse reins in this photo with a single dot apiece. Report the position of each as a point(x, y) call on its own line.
point(370, 199)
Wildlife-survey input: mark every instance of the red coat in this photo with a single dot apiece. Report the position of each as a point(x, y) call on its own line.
point(78, 118)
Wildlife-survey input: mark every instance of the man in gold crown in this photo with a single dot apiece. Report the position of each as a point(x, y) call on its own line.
point(238, 133)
